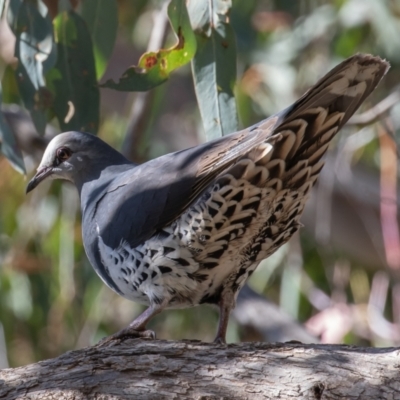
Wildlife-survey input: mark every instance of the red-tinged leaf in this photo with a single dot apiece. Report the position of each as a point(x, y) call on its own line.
point(154, 68)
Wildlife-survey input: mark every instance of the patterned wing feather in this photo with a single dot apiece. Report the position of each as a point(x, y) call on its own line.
point(254, 206)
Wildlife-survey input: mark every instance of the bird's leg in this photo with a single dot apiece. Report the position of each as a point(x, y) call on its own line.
point(226, 304)
point(137, 328)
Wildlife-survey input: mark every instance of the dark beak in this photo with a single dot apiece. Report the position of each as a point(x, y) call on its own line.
point(41, 175)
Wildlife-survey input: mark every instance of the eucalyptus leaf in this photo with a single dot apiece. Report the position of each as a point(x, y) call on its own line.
point(36, 54)
point(72, 81)
point(2, 7)
point(214, 66)
point(154, 68)
point(10, 86)
point(12, 13)
point(101, 17)
point(8, 144)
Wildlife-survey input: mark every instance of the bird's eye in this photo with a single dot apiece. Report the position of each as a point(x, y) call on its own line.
point(63, 153)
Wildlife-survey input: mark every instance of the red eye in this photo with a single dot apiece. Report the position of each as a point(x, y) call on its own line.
point(63, 153)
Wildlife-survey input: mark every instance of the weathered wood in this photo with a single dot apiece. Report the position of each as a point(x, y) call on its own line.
point(142, 369)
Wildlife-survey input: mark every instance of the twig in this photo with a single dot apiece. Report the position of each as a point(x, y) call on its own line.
point(388, 181)
point(375, 113)
point(138, 118)
point(267, 319)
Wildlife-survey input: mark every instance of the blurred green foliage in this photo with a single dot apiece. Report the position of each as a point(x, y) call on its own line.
point(50, 298)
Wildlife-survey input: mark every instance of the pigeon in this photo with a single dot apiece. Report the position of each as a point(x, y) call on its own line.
point(190, 227)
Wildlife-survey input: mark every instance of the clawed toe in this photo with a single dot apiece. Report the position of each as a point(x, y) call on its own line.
point(126, 334)
point(219, 340)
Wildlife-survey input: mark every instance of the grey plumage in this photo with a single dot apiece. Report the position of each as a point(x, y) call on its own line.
point(190, 227)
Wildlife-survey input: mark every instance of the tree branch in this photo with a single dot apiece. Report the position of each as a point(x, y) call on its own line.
point(269, 322)
point(140, 369)
point(375, 113)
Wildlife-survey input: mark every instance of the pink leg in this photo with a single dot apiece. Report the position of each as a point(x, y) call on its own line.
point(226, 304)
point(137, 328)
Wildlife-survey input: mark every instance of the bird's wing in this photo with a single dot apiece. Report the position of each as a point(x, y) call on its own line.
point(151, 196)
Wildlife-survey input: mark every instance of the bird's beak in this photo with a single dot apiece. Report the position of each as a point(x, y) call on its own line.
point(40, 176)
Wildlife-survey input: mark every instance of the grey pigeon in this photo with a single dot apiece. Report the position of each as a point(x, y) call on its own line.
point(190, 227)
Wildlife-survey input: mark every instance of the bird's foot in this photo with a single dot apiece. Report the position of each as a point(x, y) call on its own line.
point(220, 340)
point(126, 333)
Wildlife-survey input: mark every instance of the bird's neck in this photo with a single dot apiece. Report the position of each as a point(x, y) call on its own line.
point(97, 178)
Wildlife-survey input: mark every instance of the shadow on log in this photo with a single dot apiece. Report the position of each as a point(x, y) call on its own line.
point(141, 369)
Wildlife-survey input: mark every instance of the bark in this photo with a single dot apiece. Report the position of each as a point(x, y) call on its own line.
point(142, 369)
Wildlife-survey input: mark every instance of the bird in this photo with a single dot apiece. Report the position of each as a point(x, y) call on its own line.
point(190, 227)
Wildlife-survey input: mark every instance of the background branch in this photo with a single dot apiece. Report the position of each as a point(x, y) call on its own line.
point(264, 320)
point(375, 113)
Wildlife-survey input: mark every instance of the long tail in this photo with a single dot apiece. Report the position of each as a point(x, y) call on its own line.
point(264, 193)
point(307, 125)
point(305, 129)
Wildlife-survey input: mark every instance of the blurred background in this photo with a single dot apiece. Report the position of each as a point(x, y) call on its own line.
point(338, 281)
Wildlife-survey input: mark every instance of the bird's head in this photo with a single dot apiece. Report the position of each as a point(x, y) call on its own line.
point(70, 156)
